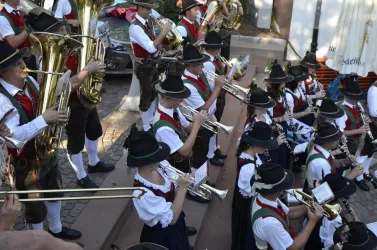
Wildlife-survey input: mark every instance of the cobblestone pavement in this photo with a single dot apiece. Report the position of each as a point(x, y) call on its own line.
point(115, 125)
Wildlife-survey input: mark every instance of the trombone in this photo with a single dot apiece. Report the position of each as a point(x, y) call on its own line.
point(143, 191)
point(205, 191)
point(232, 89)
point(214, 127)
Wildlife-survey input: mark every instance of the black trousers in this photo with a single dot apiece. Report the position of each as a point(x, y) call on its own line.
point(31, 63)
point(183, 165)
point(200, 148)
point(220, 105)
point(225, 52)
point(368, 148)
point(146, 74)
point(82, 122)
point(29, 176)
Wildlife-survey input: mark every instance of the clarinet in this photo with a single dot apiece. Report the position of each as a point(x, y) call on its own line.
point(363, 118)
point(288, 110)
point(274, 124)
point(350, 210)
point(314, 76)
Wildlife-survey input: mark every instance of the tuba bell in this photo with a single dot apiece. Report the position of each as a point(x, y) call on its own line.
point(89, 92)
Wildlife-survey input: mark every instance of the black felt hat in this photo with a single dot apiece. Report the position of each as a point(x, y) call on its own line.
point(327, 133)
point(42, 21)
point(298, 72)
point(353, 91)
point(191, 55)
point(272, 178)
point(213, 40)
point(341, 187)
point(329, 109)
point(260, 99)
point(144, 149)
point(172, 86)
point(188, 4)
point(355, 235)
point(146, 246)
point(277, 74)
point(310, 61)
point(146, 3)
point(9, 55)
point(260, 134)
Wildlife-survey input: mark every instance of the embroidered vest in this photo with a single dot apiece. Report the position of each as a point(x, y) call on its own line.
point(168, 121)
point(298, 102)
point(74, 15)
point(169, 196)
point(240, 163)
point(279, 109)
point(191, 29)
point(268, 211)
point(18, 25)
point(26, 108)
point(201, 85)
point(354, 120)
point(319, 155)
point(138, 50)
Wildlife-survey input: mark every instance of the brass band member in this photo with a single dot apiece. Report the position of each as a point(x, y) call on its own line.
point(145, 47)
point(312, 85)
point(20, 91)
point(188, 26)
point(270, 217)
point(171, 127)
point(15, 31)
point(354, 126)
point(67, 9)
point(253, 142)
point(161, 207)
point(212, 45)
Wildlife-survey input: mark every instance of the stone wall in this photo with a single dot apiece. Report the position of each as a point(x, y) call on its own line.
point(261, 13)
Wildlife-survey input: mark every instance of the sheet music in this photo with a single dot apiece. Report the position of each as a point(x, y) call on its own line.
point(244, 61)
point(232, 71)
point(300, 148)
point(373, 227)
point(201, 175)
point(323, 193)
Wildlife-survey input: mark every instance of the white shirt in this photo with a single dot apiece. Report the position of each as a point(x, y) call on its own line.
point(153, 209)
point(181, 29)
point(327, 230)
point(5, 27)
point(137, 35)
point(168, 135)
point(267, 120)
point(246, 173)
point(269, 230)
point(24, 132)
point(195, 100)
point(210, 67)
point(319, 167)
point(342, 121)
point(63, 8)
point(372, 101)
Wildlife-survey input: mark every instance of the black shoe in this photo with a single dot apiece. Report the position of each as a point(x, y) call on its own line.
point(220, 155)
point(101, 167)
point(191, 247)
point(374, 183)
point(86, 183)
point(362, 185)
point(216, 162)
point(197, 198)
point(67, 234)
point(191, 231)
point(367, 177)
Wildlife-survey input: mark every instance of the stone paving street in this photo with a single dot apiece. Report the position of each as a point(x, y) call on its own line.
point(115, 125)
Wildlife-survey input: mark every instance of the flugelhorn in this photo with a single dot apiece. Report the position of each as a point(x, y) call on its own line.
point(232, 89)
point(205, 191)
point(330, 211)
point(214, 127)
point(19, 145)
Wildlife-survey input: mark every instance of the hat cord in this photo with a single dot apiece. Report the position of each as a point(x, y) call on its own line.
point(145, 156)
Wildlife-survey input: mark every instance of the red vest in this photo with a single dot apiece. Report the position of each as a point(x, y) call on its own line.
point(354, 120)
point(192, 29)
point(18, 24)
point(169, 196)
point(73, 14)
point(138, 50)
point(279, 109)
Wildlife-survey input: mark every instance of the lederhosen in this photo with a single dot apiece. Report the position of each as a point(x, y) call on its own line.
point(241, 221)
point(175, 159)
point(201, 145)
point(31, 172)
point(191, 29)
point(173, 237)
point(220, 103)
point(268, 211)
point(18, 25)
point(145, 68)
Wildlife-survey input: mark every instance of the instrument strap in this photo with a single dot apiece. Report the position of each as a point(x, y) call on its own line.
point(168, 121)
point(16, 30)
point(74, 9)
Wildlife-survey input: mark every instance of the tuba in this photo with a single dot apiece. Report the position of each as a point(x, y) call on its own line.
point(213, 14)
point(54, 88)
point(89, 92)
point(235, 16)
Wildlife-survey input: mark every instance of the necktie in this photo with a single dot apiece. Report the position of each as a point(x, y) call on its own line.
point(175, 116)
point(16, 13)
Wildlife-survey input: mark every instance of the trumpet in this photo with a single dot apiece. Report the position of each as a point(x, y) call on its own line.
point(205, 191)
point(27, 70)
point(19, 145)
point(232, 89)
point(214, 127)
point(330, 211)
point(82, 190)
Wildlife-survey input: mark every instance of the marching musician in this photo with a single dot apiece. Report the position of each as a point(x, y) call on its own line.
point(212, 45)
point(312, 85)
point(15, 31)
point(188, 26)
point(67, 9)
point(146, 49)
point(21, 92)
point(201, 98)
point(161, 207)
point(354, 127)
point(320, 162)
point(275, 84)
point(253, 142)
point(170, 126)
point(270, 217)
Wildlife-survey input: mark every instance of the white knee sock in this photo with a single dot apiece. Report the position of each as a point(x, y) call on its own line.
point(212, 147)
point(37, 226)
point(147, 117)
point(78, 165)
point(53, 216)
point(92, 149)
